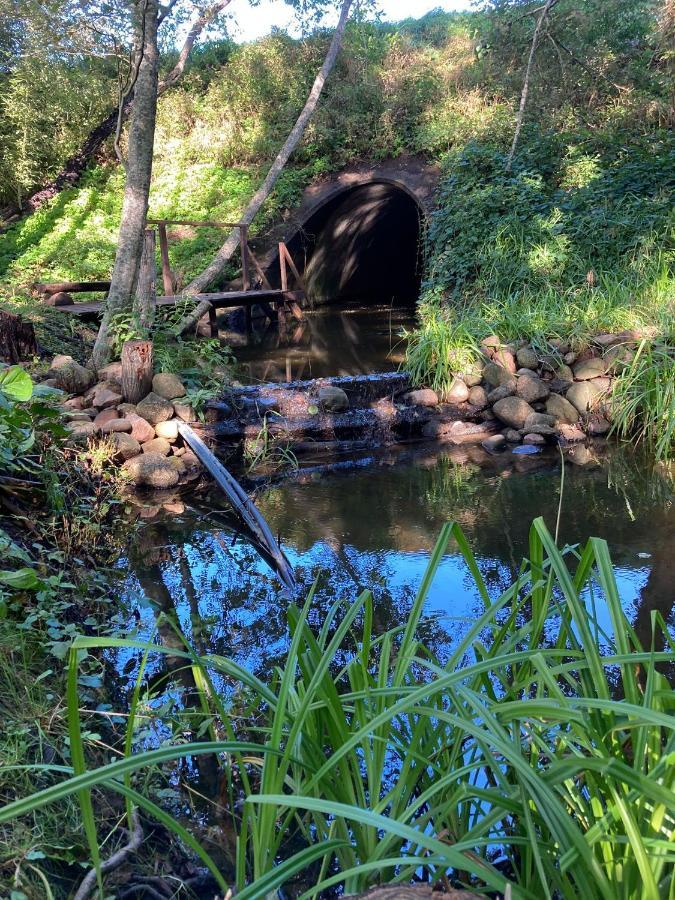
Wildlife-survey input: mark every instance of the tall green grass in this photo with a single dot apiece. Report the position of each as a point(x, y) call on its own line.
point(643, 399)
point(538, 759)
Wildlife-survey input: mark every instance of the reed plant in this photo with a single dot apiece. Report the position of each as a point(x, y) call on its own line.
point(538, 760)
point(643, 399)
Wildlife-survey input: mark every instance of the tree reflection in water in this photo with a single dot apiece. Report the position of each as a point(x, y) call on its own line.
point(375, 527)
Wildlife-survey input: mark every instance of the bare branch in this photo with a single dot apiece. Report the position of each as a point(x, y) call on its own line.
point(205, 19)
point(217, 265)
point(526, 83)
point(594, 73)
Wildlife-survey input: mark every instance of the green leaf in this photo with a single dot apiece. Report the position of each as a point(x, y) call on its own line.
point(20, 580)
point(16, 384)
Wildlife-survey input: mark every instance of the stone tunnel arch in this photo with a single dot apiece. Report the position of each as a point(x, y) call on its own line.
point(357, 235)
point(362, 244)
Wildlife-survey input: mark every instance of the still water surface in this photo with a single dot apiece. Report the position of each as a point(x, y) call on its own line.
point(374, 526)
point(343, 340)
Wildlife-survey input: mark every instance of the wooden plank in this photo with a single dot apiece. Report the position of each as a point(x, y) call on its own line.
point(146, 289)
point(259, 269)
point(282, 266)
point(218, 300)
point(289, 259)
point(72, 287)
point(242, 503)
point(191, 224)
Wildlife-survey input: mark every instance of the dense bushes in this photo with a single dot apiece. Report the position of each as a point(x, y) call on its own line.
point(564, 211)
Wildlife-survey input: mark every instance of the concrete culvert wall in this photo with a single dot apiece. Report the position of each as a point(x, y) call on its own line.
point(362, 245)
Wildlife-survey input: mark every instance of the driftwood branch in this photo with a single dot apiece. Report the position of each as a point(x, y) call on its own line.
point(594, 73)
point(135, 838)
point(526, 82)
point(218, 264)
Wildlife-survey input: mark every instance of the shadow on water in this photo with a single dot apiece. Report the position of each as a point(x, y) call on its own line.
point(375, 527)
point(333, 340)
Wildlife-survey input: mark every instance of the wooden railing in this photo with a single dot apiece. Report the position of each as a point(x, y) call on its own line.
point(286, 302)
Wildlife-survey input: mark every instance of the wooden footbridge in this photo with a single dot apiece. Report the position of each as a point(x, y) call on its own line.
point(276, 303)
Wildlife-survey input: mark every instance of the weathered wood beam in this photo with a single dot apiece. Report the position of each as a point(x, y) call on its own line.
point(242, 503)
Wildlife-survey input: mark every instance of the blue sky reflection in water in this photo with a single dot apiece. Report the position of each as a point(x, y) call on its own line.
point(375, 527)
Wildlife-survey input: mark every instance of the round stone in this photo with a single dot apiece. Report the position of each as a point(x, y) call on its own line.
point(589, 368)
point(153, 470)
point(478, 397)
point(561, 409)
point(512, 411)
point(532, 388)
point(157, 446)
point(167, 430)
point(334, 399)
point(154, 409)
point(168, 386)
point(527, 358)
point(421, 397)
point(458, 392)
point(583, 395)
point(125, 446)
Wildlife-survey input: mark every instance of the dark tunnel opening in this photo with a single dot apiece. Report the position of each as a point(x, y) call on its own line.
point(362, 246)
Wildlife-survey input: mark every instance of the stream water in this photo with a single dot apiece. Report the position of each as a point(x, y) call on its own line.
point(344, 340)
point(373, 524)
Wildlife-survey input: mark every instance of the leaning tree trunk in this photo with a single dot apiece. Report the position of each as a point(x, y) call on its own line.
point(220, 261)
point(137, 187)
point(75, 165)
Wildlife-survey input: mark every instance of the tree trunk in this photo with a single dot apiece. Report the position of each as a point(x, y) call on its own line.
point(17, 338)
point(217, 266)
point(137, 187)
point(146, 291)
point(74, 166)
point(526, 82)
point(136, 370)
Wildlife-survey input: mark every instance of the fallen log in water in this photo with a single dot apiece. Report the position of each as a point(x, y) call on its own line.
point(242, 503)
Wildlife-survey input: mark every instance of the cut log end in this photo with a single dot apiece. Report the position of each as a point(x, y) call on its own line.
point(137, 368)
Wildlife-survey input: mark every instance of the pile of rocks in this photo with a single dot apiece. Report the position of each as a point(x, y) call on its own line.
point(144, 436)
point(535, 397)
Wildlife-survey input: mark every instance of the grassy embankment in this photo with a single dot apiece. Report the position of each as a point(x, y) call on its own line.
point(509, 253)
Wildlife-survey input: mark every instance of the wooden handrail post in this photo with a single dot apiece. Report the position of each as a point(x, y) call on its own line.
point(245, 278)
point(243, 240)
point(167, 278)
point(282, 266)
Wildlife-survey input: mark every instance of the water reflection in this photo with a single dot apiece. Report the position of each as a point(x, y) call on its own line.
point(341, 340)
point(375, 527)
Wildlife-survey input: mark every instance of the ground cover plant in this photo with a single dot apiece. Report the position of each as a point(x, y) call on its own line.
point(538, 758)
point(58, 534)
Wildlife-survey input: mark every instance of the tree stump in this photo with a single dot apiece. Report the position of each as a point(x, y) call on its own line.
point(136, 370)
point(17, 338)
